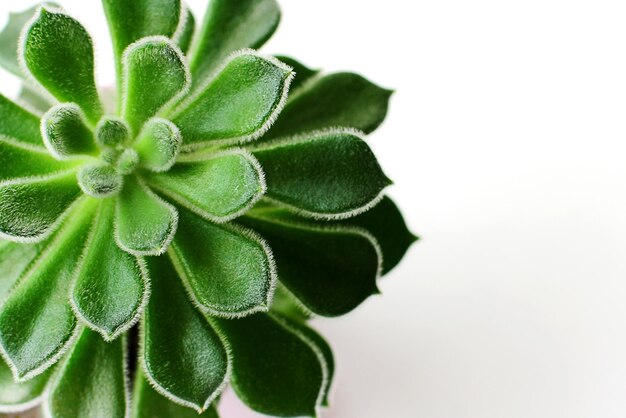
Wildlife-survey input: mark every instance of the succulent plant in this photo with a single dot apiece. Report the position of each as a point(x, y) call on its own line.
point(177, 238)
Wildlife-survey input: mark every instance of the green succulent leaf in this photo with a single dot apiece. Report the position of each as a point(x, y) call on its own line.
point(218, 187)
point(92, 382)
point(229, 26)
point(111, 288)
point(148, 403)
point(66, 132)
point(130, 21)
point(275, 371)
point(33, 99)
point(327, 175)
point(112, 131)
point(385, 222)
point(20, 160)
point(15, 258)
point(330, 269)
point(155, 73)
point(54, 42)
point(18, 123)
point(336, 100)
point(186, 29)
point(238, 105)
point(228, 270)
point(303, 73)
point(287, 305)
point(31, 207)
point(158, 145)
point(37, 324)
point(145, 224)
point(19, 397)
point(196, 378)
point(99, 180)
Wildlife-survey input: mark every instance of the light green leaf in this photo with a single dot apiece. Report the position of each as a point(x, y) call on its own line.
point(186, 29)
point(196, 378)
point(33, 99)
point(145, 224)
point(229, 26)
point(148, 403)
point(218, 187)
point(36, 321)
point(158, 145)
point(92, 381)
point(112, 131)
point(19, 397)
point(326, 175)
point(330, 269)
point(238, 105)
point(31, 207)
point(303, 73)
point(111, 288)
point(54, 42)
point(65, 132)
point(20, 160)
point(99, 180)
point(16, 122)
point(275, 371)
point(155, 73)
point(336, 100)
point(228, 271)
point(130, 21)
point(15, 258)
point(287, 305)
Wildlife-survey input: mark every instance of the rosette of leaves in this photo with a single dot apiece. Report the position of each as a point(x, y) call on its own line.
point(158, 248)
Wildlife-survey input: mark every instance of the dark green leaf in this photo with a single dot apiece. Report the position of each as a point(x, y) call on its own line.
point(229, 26)
point(92, 382)
point(173, 326)
point(185, 30)
point(336, 100)
point(228, 270)
point(20, 160)
point(158, 145)
point(330, 269)
point(287, 305)
point(303, 73)
point(155, 73)
point(238, 105)
point(18, 397)
point(15, 258)
point(66, 133)
point(31, 207)
point(53, 43)
point(111, 289)
point(329, 175)
point(36, 321)
point(275, 371)
point(112, 131)
point(16, 122)
point(148, 403)
point(218, 187)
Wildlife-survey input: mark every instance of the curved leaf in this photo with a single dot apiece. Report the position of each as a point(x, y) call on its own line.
point(303, 73)
point(229, 271)
point(110, 289)
point(66, 133)
point(19, 397)
point(229, 26)
point(336, 100)
point(158, 145)
point(19, 160)
point(92, 382)
point(239, 104)
point(186, 29)
point(329, 175)
point(275, 371)
point(195, 379)
point(54, 42)
point(18, 123)
point(36, 321)
point(219, 187)
point(15, 258)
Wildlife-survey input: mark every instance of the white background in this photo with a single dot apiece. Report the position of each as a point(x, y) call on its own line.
point(506, 143)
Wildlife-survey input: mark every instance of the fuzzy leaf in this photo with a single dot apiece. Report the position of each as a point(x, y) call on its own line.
point(112, 131)
point(18, 397)
point(14, 260)
point(384, 221)
point(229, 26)
point(228, 270)
point(66, 133)
point(327, 175)
point(36, 321)
point(239, 104)
point(196, 378)
point(148, 403)
point(303, 73)
point(18, 123)
point(53, 43)
point(331, 270)
point(145, 224)
point(130, 21)
point(185, 30)
point(287, 305)
point(19, 160)
point(111, 289)
point(154, 73)
point(34, 99)
point(158, 145)
point(92, 382)
point(29, 208)
point(275, 371)
point(336, 100)
point(218, 188)
point(99, 180)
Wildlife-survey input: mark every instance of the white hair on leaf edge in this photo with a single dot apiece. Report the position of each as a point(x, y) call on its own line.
point(183, 18)
point(24, 145)
point(24, 406)
point(52, 149)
